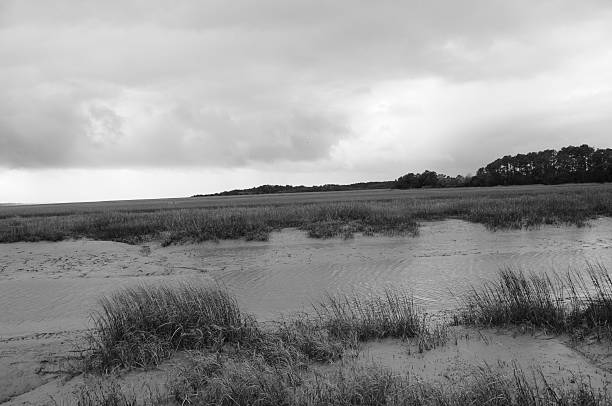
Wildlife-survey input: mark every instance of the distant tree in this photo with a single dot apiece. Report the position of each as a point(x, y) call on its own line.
point(428, 179)
point(408, 181)
point(601, 166)
point(570, 164)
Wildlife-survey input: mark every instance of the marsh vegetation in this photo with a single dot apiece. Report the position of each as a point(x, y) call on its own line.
point(234, 360)
point(140, 327)
point(325, 217)
point(575, 302)
point(228, 356)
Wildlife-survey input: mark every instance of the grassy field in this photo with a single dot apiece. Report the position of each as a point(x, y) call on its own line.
point(322, 215)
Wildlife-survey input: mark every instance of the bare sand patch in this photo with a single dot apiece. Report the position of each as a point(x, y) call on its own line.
point(555, 356)
point(48, 289)
point(29, 362)
point(93, 259)
point(64, 390)
point(51, 287)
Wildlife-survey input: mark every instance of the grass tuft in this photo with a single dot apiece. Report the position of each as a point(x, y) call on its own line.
point(252, 381)
point(393, 315)
point(562, 304)
point(141, 326)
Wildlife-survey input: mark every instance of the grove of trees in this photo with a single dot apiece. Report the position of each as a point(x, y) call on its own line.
point(568, 165)
point(430, 179)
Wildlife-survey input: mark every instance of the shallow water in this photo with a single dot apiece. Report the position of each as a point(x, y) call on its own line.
point(52, 287)
point(291, 271)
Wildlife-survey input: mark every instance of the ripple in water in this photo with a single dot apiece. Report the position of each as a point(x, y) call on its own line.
point(291, 271)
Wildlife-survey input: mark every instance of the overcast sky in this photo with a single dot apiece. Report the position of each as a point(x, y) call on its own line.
point(135, 99)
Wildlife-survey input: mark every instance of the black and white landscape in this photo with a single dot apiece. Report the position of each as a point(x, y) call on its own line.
point(305, 202)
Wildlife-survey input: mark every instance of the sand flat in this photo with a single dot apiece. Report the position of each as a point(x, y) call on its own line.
point(555, 356)
point(48, 289)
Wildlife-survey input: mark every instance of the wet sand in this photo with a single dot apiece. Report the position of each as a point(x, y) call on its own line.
point(48, 289)
point(472, 349)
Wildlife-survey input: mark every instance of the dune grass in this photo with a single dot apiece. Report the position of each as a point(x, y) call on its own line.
point(496, 208)
point(560, 303)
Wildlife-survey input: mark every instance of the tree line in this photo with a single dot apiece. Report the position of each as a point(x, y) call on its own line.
point(568, 165)
point(268, 189)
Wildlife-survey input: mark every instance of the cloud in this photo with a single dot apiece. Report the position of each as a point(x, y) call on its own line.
point(355, 85)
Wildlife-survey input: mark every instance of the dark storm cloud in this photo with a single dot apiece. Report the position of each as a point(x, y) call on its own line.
point(218, 83)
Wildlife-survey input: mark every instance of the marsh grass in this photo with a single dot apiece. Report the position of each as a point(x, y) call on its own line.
point(496, 208)
point(355, 318)
point(212, 380)
point(309, 337)
point(232, 360)
point(559, 303)
point(252, 382)
point(106, 392)
point(142, 326)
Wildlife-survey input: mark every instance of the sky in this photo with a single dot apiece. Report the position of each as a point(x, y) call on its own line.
point(116, 99)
